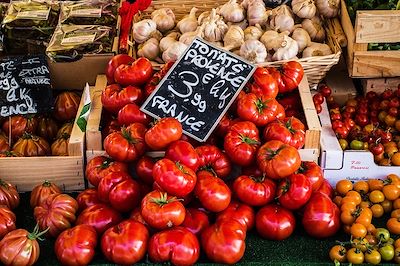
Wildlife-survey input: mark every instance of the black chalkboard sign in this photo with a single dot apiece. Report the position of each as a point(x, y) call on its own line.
point(199, 88)
point(24, 85)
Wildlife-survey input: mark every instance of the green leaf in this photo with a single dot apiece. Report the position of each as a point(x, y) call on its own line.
point(81, 122)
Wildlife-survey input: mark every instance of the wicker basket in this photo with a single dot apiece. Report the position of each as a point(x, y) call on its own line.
point(315, 67)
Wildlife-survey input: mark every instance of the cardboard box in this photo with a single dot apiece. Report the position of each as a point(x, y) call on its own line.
point(380, 85)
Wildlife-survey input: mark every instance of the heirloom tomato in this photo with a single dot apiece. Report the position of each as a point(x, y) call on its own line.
point(110, 127)
point(165, 131)
point(264, 84)
point(289, 130)
point(128, 144)
point(114, 98)
point(195, 220)
point(326, 189)
point(174, 178)
point(136, 215)
point(294, 191)
point(288, 76)
point(212, 192)
point(76, 246)
point(100, 166)
point(60, 146)
point(240, 212)
point(277, 159)
point(4, 144)
point(183, 152)
point(321, 217)
point(47, 128)
point(114, 63)
point(241, 143)
point(19, 125)
point(162, 211)
point(131, 113)
point(41, 192)
point(213, 159)
point(256, 109)
point(66, 105)
point(100, 216)
point(87, 198)
point(8, 195)
point(30, 146)
point(254, 190)
point(176, 245)
point(136, 74)
point(66, 128)
point(156, 78)
point(224, 241)
point(224, 124)
point(7, 221)
point(144, 169)
point(313, 172)
point(125, 243)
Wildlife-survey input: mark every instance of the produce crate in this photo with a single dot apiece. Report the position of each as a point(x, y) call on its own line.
point(371, 26)
point(350, 164)
point(315, 67)
point(94, 144)
point(379, 85)
point(65, 171)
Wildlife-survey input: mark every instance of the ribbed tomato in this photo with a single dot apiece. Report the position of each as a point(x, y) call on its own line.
point(41, 192)
point(289, 130)
point(164, 132)
point(66, 105)
point(100, 166)
point(8, 195)
point(7, 221)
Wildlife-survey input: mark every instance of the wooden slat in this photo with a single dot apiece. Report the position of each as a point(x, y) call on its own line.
point(379, 85)
point(378, 26)
point(376, 64)
point(76, 140)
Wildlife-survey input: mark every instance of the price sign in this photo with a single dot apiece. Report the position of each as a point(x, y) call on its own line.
point(199, 88)
point(24, 85)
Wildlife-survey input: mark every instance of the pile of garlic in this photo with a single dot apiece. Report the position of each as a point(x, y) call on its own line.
point(248, 29)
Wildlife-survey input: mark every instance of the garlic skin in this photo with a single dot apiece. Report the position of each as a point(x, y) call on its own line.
point(328, 8)
point(174, 51)
point(272, 40)
point(234, 38)
point(168, 40)
point(282, 19)
point(189, 22)
point(302, 38)
point(150, 49)
point(164, 19)
point(142, 30)
point(254, 51)
point(188, 37)
point(204, 17)
point(232, 12)
point(317, 49)
point(253, 32)
point(304, 8)
point(256, 13)
point(242, 24)
point(287, 51)
point(314, 28)
point(215, 28)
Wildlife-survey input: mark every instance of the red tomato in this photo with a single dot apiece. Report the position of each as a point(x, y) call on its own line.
point(224, 124)
point(136, 215)
point(288, 77)
point(294, 191)
point(325, 90)
point(128, 144)
point(318, 98)
point(241, 143)
point(289, 130)
point(7, 221)
point(76, 246)
point(110, 127)
point(259, 110)
point(136, 74)
point(278, 160)
point(114, 63)
point(87, 198)
point(100, 166)
point(223, 242)
point(66, 105)
point(175, 178)
point(131, 113)
point(41, 192)
point(8, 195)
point(144, 170)
point(211, 157)
point(114, 98)
point(240, 212)
point(264, 84)
point(321, 217)
point(100, 216)
point(254, 191)
point(176, 245)
point(164, 132)
point(125, 243)
point(314, 174)
point(195, 220)
point(275, 222)
point(19, 125)
point(212, 192)
point(183, 152)
point(162, 211)
point(157, 77)
point(290, 100)
point(326, 189)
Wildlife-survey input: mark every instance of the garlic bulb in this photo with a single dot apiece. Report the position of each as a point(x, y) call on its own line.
point(242, 24)
point(156, 34)
point(302, 38)
point(272, 40)
point(204, 17)
point(317, 49)
point(304, 8)
point(150, 49)
point(168, 40)
point(328, 8)
point(189, 22)
point(282, 19)
point(253, 32)
point(232, 11)
point(314, 28)
point(142, 30)
point(215, 29)
point(256, 13)
point(287, 51)
point(234, 38)
point(254, 51)
point(174, 51)
point(188, 37)
point(164, 18)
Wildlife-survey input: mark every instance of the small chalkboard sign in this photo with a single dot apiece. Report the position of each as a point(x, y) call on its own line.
point(24, 85)
point(199, 88)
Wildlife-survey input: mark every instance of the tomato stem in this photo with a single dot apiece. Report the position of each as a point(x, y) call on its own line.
point(106, 163)
point(248, 140)
point(46, 183)
point(36, 234)
point(126, 134)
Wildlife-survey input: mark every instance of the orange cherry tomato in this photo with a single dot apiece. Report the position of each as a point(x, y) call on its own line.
point(376, 196)
point(337, 200)
point(372, 240)
point(360, 243)
point(365, 204)
point(348, 206)
point(338, 253)
point(375, 184)
point(355, 196)
point(397, 243)
point(395, 213)
point(391, 191)
point(346, 228)
point(393, 179)
point(396, 204)
point(358, 230)
point(377, 210)
point(393, 225)
point(361, 186)
point(387, 205)
point(347, 217)
point(355, 256)
point(344, 186)
point(364, 217)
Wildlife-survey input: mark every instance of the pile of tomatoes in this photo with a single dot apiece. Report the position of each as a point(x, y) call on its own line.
point(40, 135)
point(362, 204)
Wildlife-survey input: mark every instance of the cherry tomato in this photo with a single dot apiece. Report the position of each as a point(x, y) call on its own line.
point(358, 230)
point(373, 256)
point(338, 253)
point(387, 252)
point(376, 196)
point(393, 225)
point(355, 256)
point(344, 186)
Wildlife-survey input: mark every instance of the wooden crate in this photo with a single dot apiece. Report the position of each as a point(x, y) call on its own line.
point(310, 152)
point(379, 85)
point(65, 171)
point(371, 26)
